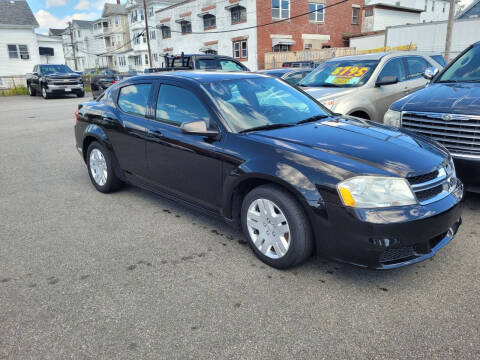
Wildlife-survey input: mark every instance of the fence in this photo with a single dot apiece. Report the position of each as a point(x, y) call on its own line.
point(276, 59)
point(12, 82)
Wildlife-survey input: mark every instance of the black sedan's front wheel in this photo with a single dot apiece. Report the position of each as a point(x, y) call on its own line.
point(276, 226)
point(100, 168)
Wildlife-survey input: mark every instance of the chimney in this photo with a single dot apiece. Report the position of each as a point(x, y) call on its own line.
point(118, 2)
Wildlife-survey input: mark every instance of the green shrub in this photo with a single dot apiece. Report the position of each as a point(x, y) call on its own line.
point(19, 90)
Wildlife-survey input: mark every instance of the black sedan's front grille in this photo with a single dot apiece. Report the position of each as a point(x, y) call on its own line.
point(458, 133)
point(429, 193)
point(393, 255)
point(414, 180)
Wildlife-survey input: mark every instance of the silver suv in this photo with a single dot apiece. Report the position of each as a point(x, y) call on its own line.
point(366, 85)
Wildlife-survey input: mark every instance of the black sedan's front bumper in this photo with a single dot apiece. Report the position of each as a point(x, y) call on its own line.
point(388, 238)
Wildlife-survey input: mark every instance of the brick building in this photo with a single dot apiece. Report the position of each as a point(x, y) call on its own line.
point(229, 27)
point(324, 28)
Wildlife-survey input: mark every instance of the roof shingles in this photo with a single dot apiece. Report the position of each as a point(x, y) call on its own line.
point(16, 12)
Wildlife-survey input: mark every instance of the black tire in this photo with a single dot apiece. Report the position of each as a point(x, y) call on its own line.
point(31, 91)
point(112, 182)
point(301, 242)
point(45, 94)
point(81, 94)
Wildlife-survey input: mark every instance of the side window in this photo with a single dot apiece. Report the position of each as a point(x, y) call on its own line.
point(133, 99)
point(176, 105)
point(394, 67)
point(207, 64)
point(230, 65)
point(416, 65)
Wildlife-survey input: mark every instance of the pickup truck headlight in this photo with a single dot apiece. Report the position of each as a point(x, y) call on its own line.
point(375, 192)
point(392, 118)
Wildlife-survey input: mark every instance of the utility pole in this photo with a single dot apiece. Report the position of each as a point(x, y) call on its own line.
point(146, 30)
point(448, 41)
point(73, 46)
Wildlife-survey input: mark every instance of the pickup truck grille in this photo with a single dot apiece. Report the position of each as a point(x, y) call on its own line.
point(460, 134)
point(69, 82)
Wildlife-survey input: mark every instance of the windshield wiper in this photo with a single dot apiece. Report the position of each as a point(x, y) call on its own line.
point(266, 127)
point(312, 119)
point(447, 81)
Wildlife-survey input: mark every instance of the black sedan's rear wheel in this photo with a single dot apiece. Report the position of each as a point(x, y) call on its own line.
point(276, 226)
point(100, 169)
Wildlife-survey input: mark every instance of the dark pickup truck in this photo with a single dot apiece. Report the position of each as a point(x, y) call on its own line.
point(49, 80)
point(448, 110)
point(199, 62)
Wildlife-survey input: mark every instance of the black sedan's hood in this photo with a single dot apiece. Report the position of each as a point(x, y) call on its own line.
point(373, 146)
point(455, 98)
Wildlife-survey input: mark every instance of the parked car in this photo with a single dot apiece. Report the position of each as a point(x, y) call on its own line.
point(299, 64)
point(448, 111)
point(366, 85)
point(102, 80)
point(199, 62)
point(265, 156)
point(49, 80)
point(292, 76)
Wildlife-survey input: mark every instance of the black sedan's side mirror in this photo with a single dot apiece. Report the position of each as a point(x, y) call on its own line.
point(430, 72)
point(387, 80)
point(198, 128)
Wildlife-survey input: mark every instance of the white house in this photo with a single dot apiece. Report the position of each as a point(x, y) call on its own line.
point(185, 27)
point(137, 58)
point(20, 47)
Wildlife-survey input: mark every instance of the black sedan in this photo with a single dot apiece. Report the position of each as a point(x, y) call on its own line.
point(102, 80)
point(270, 159)
point(292, 76)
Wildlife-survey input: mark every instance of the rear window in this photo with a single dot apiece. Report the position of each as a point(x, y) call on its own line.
point(133, 99)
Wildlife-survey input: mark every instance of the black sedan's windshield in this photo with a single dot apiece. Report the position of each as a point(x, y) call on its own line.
point(55, 69)
point(465, 69)
point(262, 103)
point(341, 73)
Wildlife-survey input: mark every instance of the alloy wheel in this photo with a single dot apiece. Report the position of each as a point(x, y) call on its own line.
point(268, 228)
point(98, 167)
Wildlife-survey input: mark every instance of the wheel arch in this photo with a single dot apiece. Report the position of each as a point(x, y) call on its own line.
point(95, 133)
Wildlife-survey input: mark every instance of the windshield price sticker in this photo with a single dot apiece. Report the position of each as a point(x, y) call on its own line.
point(344, 75)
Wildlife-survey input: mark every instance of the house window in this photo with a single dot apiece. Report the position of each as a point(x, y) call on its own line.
point(78, 34)
point(116, 21)
point(355, 13)
point(155, 57)
point(138, 60)
point(240, 49)
point(281, 48)
point(239, 14)
point(142, 15)
point(150, 11)
point(209, 22)
point(369, 12)
point(136, 41)
point(18, 51)
point(186, 27)
point(146, 59)
point(316, 12)
point(134, 16)
point(153, 35)
point(166, 33)
point(280, 9)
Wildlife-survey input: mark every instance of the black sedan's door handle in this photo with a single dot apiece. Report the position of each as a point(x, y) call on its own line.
point(155, 132)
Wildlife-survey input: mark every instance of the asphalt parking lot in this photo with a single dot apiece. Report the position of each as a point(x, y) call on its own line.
point(131, 275)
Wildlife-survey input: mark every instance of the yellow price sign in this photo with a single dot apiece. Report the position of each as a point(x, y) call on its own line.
point(349, 71)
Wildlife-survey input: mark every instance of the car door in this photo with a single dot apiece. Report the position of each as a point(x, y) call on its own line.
point(186, 165)
point(416, 66)
point(385, 95)
point(125, 125)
